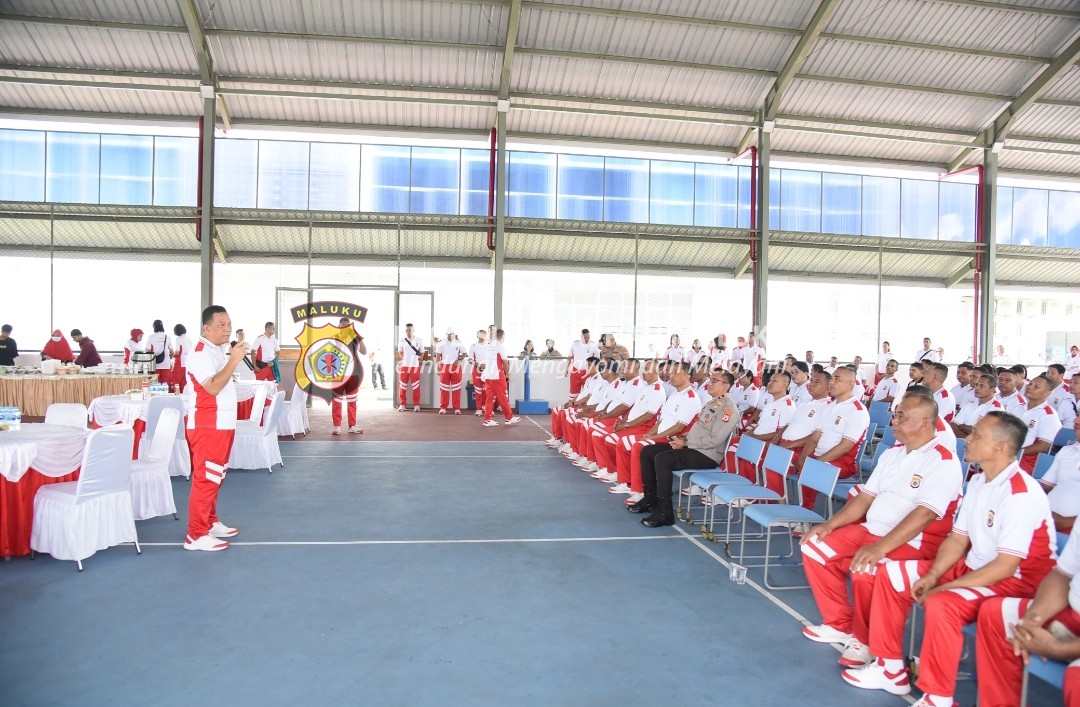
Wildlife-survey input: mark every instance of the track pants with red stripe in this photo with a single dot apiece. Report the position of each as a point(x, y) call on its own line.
point(346, 401)
point(1000, 672)
point(496, 392)
point(561, 420)
point(739, 466)
point(828, 567)
point(408, 380)
point(210, 451)
point(848, 468)
point(629, 454)
point(580, 434)
point(577, 378)
point(597, 431)
point(607, 454)
point(478, 389)
point(449, 386)
point(947, 613)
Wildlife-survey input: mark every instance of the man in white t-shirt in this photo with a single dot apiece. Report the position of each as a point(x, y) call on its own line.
point(211, 427)
point(159, 346)
point(637, 421)
point(888, 387)
point(883, 358)
point(985, 391)
point(841, 428)
point(775, 415)
point(449, 354)
point(477, 356)
point(834, 363)
point(963, 392)
point(410, 352)
point(934, 375)
point(1072, 363)
point(1042, 423)
point(1070, 406)
point(753, 357)
point(903, 512)
point(264, 353)
point(1056, 373)
point(580, 351)
point(1009, 394)
point(494, 375)
point(926, 354)
point(1062, 483)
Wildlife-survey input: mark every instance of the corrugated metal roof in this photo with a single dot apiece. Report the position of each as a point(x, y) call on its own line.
point(90, 47)
point(808, 143)
point(157, 13)
point(103, 100)
point(366, 113)
point(1049, 121)
point(621, 128)
point(1067, 87)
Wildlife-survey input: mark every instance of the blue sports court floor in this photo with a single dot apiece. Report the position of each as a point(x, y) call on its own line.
point(412, 573)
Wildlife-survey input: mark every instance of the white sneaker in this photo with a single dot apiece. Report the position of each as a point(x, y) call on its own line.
point(513, 420)
point(553, 442)
point(856, 655)
point(610, 476)
point(490, 423)
point(355, 429)
point(416, 408)
point(442, 411)
point(457, 412)
point(599, 474)
point(401, 408)
point(875, 677)
point(634, 498)
point(823, 633)
point(205, 543)
point(620, 488)
point(691, 491)
point(565, 447)
point(337, 431)
point(479, 413)
point(591, 467)
point(220, 530)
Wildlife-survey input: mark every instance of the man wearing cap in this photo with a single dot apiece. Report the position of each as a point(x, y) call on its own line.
point(449, 354)
point(88, 354)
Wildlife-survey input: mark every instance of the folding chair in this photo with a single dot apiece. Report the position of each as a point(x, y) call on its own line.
point(868, 461)
point(881, 415)
point(735, 496)
point(843, 488)
point(1065, 436)
point(679, 474)
point(1042, 465)
point(816, 475)
point(750, 449)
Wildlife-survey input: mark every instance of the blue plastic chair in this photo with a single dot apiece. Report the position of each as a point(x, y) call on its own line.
point(843, 488)
point(678, 475)
point(816, 475)
point(881, 415)
point(867, 462)
point(735, 496)
point(750, 449)
point(1065, 436)
point(1042, 465)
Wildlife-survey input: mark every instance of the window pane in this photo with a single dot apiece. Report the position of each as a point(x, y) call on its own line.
point(744, 197)
point(235, 172)
point(335, 177)
point(1029, 216)
point(22, 165)
point(800, 201)
point(283, 175)
point(1064, 219)
point(776, 184)
point(1004, 215)
point(958, 203)
point(716, 195)
point(671, 194)
point(841, 203)
point(475, 175)
point(881, 206)
point(581, 187)
point(384, 178)
point(919, 209)
point(531, 185)
point(435, 173)
point(626, 190)
point(72, 168)
point(127, 169)
point(176, 171)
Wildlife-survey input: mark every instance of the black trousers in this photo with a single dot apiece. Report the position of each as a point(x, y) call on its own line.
point(658, 461)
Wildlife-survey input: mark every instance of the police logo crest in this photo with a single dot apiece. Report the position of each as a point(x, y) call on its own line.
point(837, 420)
point(916, 481)
point(990, 519)
point(328, 364)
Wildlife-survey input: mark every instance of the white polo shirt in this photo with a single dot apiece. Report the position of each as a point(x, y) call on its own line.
point(751, 357)
point(589, 387)
point(971, 414)
point(1015, 403)
point(929, 476)
point(945, 435)
point(495, 357)
point(160, 342)
point(1058, 395)
point(266, 348)
point(675, 353)
point(946, 404)
point(883, 361)
point(925, 355)
point(211, 412)
point(477, 353)
point(581, 352)
point(1042, 423)
point(887, 388)
point(805, 419)
point(184, 347)
point(1063, 477)
point(839, 421)
point(682, 407)
point(963, 394)
point(450, 350)
point(650, 399)
point(1072, 366)
point(775, 414)
point(746, 398)
point(409, 357)
point(628, 393)
point(1010, 514)
point(1068, 410)
point(800, 394)
point(604, 393)
point(1069, 565)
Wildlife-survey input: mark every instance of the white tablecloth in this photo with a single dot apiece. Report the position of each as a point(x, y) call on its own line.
point(116, 410)
point(57, 450)
point(245, 390)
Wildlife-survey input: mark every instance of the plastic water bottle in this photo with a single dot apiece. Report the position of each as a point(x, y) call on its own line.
point(146, 390)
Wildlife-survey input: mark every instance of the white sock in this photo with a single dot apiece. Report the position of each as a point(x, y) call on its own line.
point(893, 665)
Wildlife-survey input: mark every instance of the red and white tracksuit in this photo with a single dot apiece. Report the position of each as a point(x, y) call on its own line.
point(346, 400)
point(450, 352)
point(1007, 515)
point(580, 352)
point(477, 356)
point(264, 353)
point(840, 420)
point(930, 477)
point(409, 370)
point(494, 377)
point(681, 407)
point(211, 428)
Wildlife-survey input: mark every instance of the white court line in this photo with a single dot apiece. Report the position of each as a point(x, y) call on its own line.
point(494, 541)
point(542, 428)
point(763, 591)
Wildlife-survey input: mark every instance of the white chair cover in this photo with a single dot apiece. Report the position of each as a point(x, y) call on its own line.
point(293, 419)
point(180, 461)
point(257, 447)
point(74, 520)
point(257, 405)
point(151, 487)
point(67, 414)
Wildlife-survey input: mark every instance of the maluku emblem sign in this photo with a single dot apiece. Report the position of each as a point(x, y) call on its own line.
point(329, 364)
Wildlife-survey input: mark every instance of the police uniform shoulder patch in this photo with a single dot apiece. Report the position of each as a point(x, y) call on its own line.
point(990, 519)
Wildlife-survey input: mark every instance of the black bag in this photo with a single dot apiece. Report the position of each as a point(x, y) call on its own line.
point(160, 358)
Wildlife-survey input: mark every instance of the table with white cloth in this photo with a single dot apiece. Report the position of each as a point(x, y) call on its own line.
point(34, 393)
point(125, 410)
point(31, 457)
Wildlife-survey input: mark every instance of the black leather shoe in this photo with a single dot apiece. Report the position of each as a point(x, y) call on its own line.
point(642, 506)
point(657, 520)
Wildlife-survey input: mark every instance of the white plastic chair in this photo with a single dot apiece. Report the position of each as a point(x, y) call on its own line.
point(257, 405)
point(75, 519)
point(294, 417)
point(256, 447)
point(180, 460)
point(67, 414)
point(151, 487)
